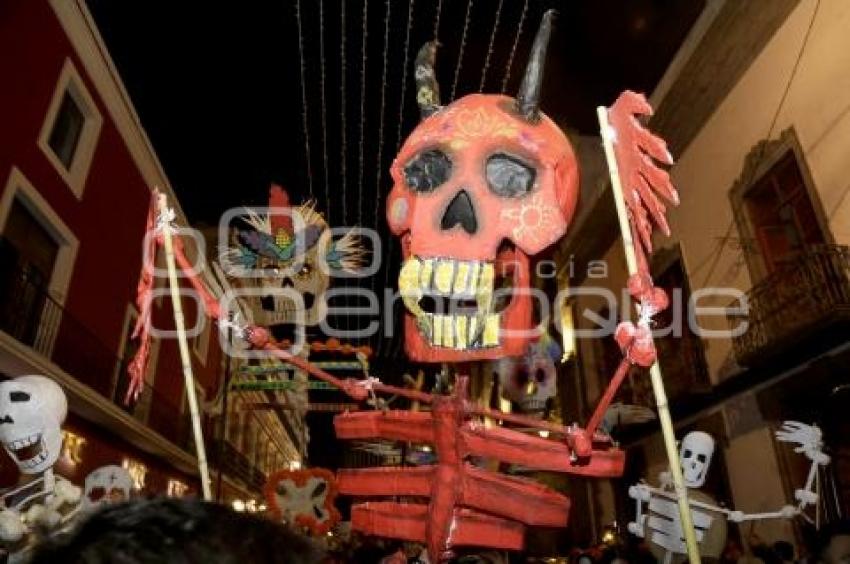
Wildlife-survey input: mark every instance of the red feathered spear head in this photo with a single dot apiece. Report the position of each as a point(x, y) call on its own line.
point(280, 221)
point(637, 149)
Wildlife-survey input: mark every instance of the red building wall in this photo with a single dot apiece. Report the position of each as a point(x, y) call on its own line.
point(108, 221)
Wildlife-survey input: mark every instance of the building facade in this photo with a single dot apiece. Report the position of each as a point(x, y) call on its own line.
point(77, 171)
point(756, 110)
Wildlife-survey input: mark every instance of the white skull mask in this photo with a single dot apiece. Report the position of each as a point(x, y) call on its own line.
point(297, 294)
point(289, 253)
point(32, 409)
point(107, 484)
point(695, 457)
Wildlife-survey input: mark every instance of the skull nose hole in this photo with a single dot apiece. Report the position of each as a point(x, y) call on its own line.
point(287, 283)
point(460, 212)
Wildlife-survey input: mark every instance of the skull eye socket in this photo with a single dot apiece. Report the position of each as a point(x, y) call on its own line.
point(428, 170)
point(306, 270)
point(19, 396)
point(508, 176)
point(687, 453)
point(701, 458)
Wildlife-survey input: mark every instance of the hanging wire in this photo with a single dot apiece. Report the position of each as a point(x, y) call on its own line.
point(437, 21)
point(389, 252)
point(379, 174)
point(364, 41)
point(758, 161)
point(410, 7)
point(462, 47)
point(514, 46)
point(343, 149)
point(324, 107)
point(304, 99)
point(490, 47)
point(343, 144)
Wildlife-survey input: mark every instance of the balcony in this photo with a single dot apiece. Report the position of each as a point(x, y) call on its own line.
point(799, 302)
point(32, 317)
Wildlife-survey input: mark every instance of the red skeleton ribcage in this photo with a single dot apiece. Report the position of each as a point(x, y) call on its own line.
point(467, 506)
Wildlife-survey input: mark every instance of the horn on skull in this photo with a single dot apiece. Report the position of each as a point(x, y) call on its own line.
point(427, 87)
point(528, 97)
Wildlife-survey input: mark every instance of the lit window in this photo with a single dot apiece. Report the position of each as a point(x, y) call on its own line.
point(176, 488)
point(138, 472)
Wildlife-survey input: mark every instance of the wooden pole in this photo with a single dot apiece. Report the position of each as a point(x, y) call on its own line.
point(655, 370)
point(185, 359)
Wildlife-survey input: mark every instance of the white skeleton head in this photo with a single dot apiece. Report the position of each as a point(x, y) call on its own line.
point(32, 409)
point(107, 484)
point(695, 457)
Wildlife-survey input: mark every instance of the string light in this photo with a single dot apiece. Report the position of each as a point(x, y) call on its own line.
point(389, 253)
point(514, 46)
point(324, 107)
point(462, 47)
point(304, 99)
point(343, 145)
point(490, 46)
point(379, 175)
point(437, 20)
point(362, 106)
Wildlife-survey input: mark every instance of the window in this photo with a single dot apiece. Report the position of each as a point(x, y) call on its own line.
point(27, 258)
point(37, 254)
point(776, 207)
point(71, 128)
point(782, 214)
point(65, 136)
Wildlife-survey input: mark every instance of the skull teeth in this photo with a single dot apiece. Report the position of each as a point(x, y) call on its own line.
point(459, 280)
point(28, 451)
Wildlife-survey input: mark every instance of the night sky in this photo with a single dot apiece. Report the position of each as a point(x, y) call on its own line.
point(217, 86)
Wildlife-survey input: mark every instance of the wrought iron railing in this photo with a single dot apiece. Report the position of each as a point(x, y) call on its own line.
point(790, 302)
point(30, 315)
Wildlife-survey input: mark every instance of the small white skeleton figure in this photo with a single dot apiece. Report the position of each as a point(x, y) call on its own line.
point(32, 409)
point(107, 484)
point(661, 522)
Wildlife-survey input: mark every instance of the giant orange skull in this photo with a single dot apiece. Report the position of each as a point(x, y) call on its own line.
point(479, 186)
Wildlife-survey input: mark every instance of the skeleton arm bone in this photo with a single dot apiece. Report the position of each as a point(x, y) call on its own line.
point(735, 516)
point(641, 494)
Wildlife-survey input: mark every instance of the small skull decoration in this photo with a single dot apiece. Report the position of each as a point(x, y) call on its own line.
point(531, 380)
point(479, 186)
point(32, 410)
point(105, 485)
point(695, 457)
point(289, 251)
point(304, 497)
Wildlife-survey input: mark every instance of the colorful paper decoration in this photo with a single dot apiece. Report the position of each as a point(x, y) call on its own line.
point(304, 497)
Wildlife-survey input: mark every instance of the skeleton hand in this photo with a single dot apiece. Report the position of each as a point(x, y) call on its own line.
point(637, 529)
point(665, 480)
point(66, 492)
point(805, 497)
point(736, 516)
point(640, 492)
point(808, 437)
point(12, 528)
point(43, 515)
point(789, 511)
